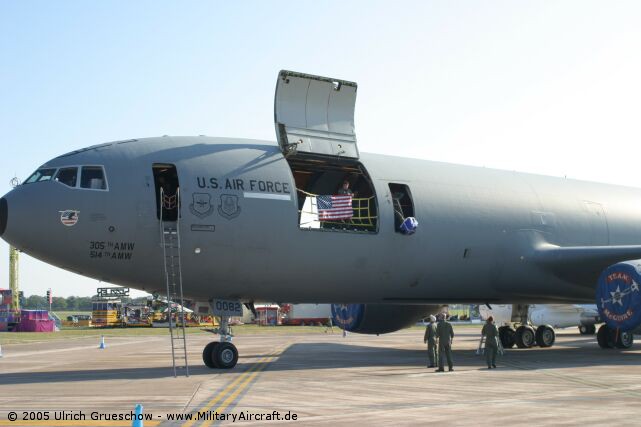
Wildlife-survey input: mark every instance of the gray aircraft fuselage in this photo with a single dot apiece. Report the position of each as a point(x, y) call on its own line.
point(483, 235)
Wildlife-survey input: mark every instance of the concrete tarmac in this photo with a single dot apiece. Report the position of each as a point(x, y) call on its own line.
point(321, 379)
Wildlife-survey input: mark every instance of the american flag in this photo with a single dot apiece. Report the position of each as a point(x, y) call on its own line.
point(334, 207)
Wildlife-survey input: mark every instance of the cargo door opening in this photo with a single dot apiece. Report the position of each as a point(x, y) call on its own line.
point(334, 196)
point(314, 120)
point(166, 188)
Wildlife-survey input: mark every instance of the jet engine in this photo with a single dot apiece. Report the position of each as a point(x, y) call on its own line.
point(618, 299)
point(378, 318)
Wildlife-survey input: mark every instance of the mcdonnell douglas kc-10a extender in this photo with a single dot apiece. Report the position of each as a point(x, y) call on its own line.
point(309, 218)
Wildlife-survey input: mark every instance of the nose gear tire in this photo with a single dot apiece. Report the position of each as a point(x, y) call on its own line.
point(226, 355)
point(208, 354)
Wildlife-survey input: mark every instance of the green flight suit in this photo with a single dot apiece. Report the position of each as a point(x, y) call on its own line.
point(445, 335)
point(430, 339)
point(491, 333)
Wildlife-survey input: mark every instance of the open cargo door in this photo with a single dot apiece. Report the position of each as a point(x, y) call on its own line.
point(315, 115)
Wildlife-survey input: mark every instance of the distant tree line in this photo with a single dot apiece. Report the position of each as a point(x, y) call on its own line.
point(38, 302)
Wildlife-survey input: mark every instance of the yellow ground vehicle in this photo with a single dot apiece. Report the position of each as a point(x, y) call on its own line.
point(77, 321)
point(106, 313)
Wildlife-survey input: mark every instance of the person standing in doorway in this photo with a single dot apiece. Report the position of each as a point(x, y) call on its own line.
point(345, 190)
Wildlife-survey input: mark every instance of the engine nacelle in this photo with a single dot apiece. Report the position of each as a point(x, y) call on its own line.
point(618, 296)
point(378, 318)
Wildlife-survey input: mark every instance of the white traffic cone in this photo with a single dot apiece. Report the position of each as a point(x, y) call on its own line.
point(102, 345)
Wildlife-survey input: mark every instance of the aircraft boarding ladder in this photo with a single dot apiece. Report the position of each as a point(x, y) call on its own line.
point(170, 241)
point(481, 348)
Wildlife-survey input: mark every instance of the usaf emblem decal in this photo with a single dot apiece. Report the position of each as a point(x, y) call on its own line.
point(228, 207)
point(201, 205)
point(69, 217)
point(619, 297)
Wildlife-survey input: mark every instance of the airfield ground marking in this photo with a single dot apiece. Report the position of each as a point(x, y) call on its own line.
point(231, 394)
point(232, 397)
point(229, 389)
point(223, 392)
point(258, 366)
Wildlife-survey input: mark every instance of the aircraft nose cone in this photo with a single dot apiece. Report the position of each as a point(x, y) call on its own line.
point(4, 213)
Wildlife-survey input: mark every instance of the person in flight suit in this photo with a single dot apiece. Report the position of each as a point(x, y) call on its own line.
point(491, 333)
point(430, 339)
point(445, 334)
point(345, 190)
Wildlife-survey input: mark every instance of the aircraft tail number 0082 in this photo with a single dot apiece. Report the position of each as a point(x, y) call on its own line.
point(226, 308)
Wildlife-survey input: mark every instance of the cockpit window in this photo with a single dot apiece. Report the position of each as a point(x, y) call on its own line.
point(93, 177)
point(41, 175)
point(67, 176)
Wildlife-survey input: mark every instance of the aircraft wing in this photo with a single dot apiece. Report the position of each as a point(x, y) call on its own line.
point(583, 264)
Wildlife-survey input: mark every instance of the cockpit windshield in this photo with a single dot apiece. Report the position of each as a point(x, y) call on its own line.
point(85, 177)
point(41, 175)
point(67, 176)
point(93, 177)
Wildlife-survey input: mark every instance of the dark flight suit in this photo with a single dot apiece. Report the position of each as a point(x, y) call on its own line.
point(343, 192)
point(445, 335)
point(491, 333)
point(430, 339)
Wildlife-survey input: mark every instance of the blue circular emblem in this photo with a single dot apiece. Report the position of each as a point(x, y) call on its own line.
point(348, 316)
point(618, 297)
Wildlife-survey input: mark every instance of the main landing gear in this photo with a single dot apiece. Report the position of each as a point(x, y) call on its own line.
point(221, 354)
point(613, 338)
point(525, 336)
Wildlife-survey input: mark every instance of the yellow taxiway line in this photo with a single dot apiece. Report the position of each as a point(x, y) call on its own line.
point(235, 387)
point(226, 397)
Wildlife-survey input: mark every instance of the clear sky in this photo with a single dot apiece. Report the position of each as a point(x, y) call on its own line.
point(551, 87)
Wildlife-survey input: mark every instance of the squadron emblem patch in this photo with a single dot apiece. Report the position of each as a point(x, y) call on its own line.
point(347, 316)
point(69, 217)
point(228, 207)
point(619, 298)
point(201, 205)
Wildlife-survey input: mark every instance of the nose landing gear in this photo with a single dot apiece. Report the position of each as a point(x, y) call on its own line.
point(221, 354)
